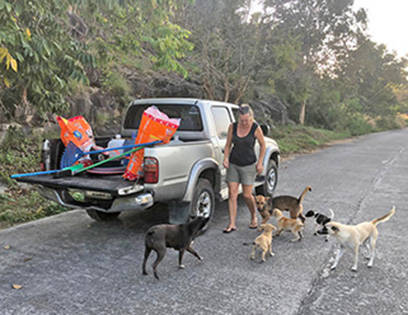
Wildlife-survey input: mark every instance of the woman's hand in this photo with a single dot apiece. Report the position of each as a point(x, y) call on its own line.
point(226, 163)
point(259, 168)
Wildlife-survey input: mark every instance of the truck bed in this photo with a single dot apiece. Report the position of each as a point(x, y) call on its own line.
point(111, 183)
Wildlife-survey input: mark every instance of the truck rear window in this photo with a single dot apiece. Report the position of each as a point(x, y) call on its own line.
point(189, 114)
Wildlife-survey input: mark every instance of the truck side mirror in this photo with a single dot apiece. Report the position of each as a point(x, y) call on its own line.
point(265, 129)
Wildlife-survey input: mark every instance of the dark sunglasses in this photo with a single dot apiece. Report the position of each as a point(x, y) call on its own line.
point(243, 110)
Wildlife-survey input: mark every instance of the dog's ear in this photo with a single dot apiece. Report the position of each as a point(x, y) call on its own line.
point(326, 220)
point(310, 213)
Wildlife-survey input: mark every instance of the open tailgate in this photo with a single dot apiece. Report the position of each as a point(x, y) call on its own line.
point(111, 183)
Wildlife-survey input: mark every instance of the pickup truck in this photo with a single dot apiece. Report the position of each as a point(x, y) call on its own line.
point(187, 173)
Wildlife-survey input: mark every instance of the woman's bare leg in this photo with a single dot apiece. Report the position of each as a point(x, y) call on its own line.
point(250, 202)
point(232, 203)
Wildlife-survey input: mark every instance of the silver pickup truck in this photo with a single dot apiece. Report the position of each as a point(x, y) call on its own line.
point(187, 174)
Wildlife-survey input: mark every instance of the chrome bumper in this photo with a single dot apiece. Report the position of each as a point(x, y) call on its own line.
point(135, 202)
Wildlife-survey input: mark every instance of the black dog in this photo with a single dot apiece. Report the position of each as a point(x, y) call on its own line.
point(177, 236)
point(320, 221)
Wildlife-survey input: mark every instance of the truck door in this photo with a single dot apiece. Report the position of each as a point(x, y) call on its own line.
point(222, 120)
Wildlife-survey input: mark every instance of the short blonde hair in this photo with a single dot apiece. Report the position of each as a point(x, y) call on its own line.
point(245, 109)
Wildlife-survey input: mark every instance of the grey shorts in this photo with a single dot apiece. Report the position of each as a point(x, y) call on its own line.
point(241, 174)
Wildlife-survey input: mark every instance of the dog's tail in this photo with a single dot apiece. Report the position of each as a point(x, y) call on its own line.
point(384, 218)
point(302, 195)
point(331, 214)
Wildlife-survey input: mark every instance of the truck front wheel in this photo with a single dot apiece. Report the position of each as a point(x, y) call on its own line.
point(102, 216)
point(271, 180)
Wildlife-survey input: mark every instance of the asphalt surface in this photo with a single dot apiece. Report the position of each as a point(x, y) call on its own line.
point(69, 264)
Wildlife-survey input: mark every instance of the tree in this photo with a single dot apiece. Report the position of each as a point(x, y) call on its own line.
point(45, 55)
point(370, 74)
point(56, 43)
point(326, 30)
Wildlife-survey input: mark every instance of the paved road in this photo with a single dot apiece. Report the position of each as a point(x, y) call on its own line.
point(69, 264)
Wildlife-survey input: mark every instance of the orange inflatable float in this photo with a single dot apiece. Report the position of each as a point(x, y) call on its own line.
point(154, 126)
point(78, 131)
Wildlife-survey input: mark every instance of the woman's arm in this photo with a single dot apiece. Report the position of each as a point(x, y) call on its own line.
point(260, 137)
point(228, 147)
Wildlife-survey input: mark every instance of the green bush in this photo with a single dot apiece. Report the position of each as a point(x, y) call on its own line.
point(344, 120)
point(20, 153)
point(357, 125)
point(386, 123)
point(117, 85)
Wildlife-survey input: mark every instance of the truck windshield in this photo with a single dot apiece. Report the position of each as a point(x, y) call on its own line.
point(189, 114)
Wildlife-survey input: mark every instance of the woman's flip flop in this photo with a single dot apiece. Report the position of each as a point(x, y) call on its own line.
point(229, 230)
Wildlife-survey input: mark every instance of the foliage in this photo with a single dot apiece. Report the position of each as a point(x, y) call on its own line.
point(135, 30)
point(37, 34)
point(20, 153)
point(116, 84)
point(47, 44)
point(23, 205)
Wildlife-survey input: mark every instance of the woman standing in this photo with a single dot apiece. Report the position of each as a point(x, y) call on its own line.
point(242, 165)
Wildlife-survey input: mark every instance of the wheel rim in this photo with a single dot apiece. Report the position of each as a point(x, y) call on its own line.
point(204, 205)
point(271, 180)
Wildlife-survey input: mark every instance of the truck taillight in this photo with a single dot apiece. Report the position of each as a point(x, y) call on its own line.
point(151, 170)
point(45, 156)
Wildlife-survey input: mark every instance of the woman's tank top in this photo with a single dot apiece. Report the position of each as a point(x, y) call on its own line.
point(243, 151)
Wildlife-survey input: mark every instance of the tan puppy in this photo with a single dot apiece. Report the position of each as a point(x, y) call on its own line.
point(356, 235)
point(288, 224)
point(264, 241)
point(264, 206)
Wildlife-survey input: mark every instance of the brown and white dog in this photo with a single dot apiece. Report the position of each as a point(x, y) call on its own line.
point(264, 241)
point(288, 224)
point(264, 206)
point(291, 204)
point(356, 235)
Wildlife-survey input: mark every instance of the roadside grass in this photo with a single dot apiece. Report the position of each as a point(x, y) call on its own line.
point(20, 153)
point(301, 139)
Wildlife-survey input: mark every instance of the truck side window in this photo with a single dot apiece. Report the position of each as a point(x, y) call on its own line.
point(222, 120)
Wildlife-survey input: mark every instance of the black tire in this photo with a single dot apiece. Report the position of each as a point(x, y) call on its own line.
point(271, 180)
point(202, 204)
point(102, 216)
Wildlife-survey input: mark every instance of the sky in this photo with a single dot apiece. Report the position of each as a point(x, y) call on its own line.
point(387, 23)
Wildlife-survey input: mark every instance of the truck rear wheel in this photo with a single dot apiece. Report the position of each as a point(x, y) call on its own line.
point(102, 216)
point(202, 204)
